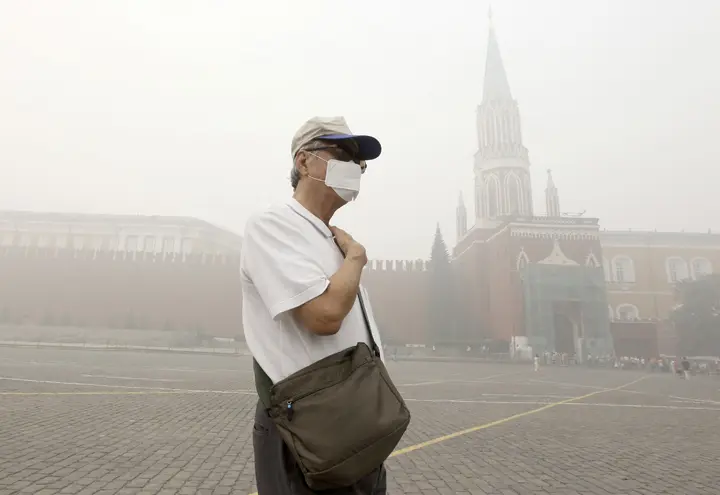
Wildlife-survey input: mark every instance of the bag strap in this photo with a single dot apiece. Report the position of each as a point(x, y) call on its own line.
point(263, 384)
point(373, 344)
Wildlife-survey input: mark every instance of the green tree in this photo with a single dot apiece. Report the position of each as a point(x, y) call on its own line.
point(697, 316)
point(439, 256)
point(441, 308)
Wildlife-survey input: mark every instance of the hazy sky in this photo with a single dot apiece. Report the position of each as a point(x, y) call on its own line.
point(188, 108)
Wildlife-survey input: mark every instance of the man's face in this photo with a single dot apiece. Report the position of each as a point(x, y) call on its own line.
point(313, 166)
point(319, 152)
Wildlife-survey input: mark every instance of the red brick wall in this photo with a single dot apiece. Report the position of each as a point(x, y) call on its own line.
point(399, 300)
point(635, 338)
point(105, 289)
point(504, 291)
point(111, 290)
point(473, 290)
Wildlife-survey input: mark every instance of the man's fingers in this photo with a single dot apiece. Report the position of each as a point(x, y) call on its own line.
point(339, 233)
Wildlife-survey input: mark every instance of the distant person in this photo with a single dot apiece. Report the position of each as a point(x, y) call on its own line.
point(685, 368)
point(302, 303)
point(536, 362)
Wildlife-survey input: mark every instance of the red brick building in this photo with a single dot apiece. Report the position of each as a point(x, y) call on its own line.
point(532, 280)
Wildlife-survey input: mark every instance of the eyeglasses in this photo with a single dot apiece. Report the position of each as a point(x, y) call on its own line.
point(342, 154)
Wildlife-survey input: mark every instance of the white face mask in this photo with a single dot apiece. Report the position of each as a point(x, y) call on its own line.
point(342, 177)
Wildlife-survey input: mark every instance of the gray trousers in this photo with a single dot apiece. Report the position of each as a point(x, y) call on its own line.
point(277, 473)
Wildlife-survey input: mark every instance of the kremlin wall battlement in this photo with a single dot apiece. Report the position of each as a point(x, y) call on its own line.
point(418, 265)
point(188, 292)
point(96, 289)
point(118, 256)
point(195, 258)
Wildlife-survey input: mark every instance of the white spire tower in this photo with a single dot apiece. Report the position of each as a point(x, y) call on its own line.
point(502, 175)
point(552, 197)
point(461, 218)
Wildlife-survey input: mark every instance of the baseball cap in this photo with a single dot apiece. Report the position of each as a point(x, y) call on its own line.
point(335, 129)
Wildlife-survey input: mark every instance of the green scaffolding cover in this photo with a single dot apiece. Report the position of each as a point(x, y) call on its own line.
point(545, 287)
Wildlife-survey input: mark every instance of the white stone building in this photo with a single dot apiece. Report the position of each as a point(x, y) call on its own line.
point(129, 233)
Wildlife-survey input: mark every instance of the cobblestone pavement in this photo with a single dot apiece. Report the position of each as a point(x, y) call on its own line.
point(91, 422)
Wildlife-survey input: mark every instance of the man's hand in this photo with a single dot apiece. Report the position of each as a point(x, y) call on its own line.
point(324, 314)
point(351, 248)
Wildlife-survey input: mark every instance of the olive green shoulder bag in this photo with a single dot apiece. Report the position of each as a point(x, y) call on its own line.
point(341, 417)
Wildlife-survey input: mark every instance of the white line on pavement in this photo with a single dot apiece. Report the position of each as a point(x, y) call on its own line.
point(567, 384)
point(529, 395)
point(645, 406)
point(190, 370)
point(689, 399)
point(131, 378)
point(437, 382)
point(52, 382)
point(636, 406)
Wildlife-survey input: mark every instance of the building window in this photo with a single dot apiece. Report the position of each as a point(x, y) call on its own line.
point(131, 243)
point(492, 197)
point(677, 269)
point(168, 245)
point(149, 244)
point(522, 260)
point(700, 267)
point(186, 246)
point(527, 199)
point(628, 312)
point(592, 261)
point(623, 269)
point(7, 239)
point(514, 194)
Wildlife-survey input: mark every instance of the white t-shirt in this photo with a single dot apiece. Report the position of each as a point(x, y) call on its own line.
point(288, 257)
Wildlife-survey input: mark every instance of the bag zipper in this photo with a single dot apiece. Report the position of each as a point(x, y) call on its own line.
point(290, 411)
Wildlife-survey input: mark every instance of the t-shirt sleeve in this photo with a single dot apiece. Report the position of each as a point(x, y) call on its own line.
point(279, 261)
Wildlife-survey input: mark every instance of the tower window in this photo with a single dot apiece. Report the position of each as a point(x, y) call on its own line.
point(514, 194)
point(492, 197)
point(677, 269)
point(701, 267)
point(623, 269)
point(628, 312)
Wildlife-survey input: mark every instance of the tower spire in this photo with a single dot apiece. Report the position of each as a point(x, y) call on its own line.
point(495, 86)
point(552, 198)
point(461, 218)
point(502, 175)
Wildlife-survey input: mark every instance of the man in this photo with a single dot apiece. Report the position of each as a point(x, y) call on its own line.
point(300, 279)
point(686, 367)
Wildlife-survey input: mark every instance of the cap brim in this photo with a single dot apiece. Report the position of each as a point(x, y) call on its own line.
point(369, 148)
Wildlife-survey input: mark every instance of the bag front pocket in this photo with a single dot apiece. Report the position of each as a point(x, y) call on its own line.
point(328, 426)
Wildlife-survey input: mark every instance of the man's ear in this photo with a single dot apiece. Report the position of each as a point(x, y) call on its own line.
point(301, 163)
